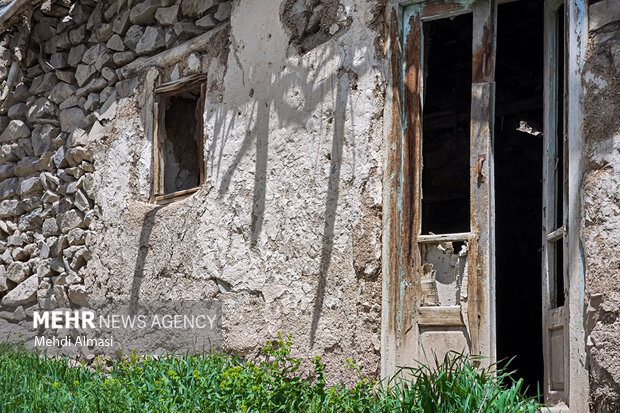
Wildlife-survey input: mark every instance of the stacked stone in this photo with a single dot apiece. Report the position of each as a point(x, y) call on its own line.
point(53, 108)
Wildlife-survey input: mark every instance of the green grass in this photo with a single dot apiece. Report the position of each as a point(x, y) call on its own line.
point(221, 383)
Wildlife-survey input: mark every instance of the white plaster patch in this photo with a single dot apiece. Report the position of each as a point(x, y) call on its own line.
point(598, 81)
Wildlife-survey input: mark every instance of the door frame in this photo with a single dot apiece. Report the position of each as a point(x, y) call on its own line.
point(397, 306)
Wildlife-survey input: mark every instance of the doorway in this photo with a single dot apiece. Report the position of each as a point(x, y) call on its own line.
point(518, 152)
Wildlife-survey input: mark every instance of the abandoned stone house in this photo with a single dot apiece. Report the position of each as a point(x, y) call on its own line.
point(379, 179)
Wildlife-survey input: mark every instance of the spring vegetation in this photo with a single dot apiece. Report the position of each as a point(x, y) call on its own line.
point(223, 383)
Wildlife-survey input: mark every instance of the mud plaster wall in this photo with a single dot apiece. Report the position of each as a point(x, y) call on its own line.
point(600, 230)
point(286, 231)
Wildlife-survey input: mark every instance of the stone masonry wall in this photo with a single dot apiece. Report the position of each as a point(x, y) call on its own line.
point(286, 230)
point(61, 78)
point(601, 205)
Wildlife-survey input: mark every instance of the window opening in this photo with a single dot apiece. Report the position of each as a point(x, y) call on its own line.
point(446, 125)
point(178, 162)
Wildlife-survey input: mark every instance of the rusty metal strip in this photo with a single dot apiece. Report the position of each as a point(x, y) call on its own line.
point(484, 41)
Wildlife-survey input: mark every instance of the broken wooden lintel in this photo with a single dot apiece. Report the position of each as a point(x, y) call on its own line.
point(437, 238)
point(183, 83)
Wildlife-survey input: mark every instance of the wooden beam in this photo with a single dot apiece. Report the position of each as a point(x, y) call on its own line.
point(440, 316)
point(456, 237)
point(171, 56)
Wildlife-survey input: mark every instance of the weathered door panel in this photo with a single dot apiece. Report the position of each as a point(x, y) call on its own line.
point(555, 207)
point(447, 278)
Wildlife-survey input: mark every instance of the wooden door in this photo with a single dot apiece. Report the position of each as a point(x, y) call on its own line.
point(555, 207)
point(447, 287)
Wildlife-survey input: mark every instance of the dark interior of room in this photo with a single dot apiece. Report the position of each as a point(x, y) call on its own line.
point(518, 153)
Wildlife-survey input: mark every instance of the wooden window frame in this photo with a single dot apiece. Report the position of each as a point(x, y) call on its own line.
point(161, 93)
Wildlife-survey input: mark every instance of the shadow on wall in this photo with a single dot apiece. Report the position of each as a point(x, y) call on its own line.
point(138, 274)
point(313, 77)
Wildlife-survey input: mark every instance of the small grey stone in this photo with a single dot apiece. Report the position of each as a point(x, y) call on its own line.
point(114, 9)
point(3, 284)
point(121, 23)
point(122, 58)
point(58, 61)
point(42, 137)
point(57, 265)
point(70, 102)
point(26, 166)
point(103, 60)
point(101, 33)
point(42, 111)
point(78, 154)
point(78, 295)
point(24, 293)
point(66, 76)
point(21, 93)
point(196, 8)
point(126, 87)
point(75, 55)
point(109, 75)
point(151, 41)
point(7, 170)
point(18, 111)
point(14, 131)
point(31, 221)
point(116, 43)
point(50, 227)
point(69, 220)
point(43, 83)
point(186, 30)
point(16, 272)
point(167, 16)
point(50, 197)
point(92, 102)
point(133, 36)
point(44, 31)
point(77, 36)
point(94, 85)
point(31, 185)
point(71, 118)
point(78, 137)
point(81, 201)
point(144, 13)
point(9, 188)
point(223, 11)
point(90, 56)
point(61, 92)
point(207, 22)
point(10, 208)
point(84, 73)
point(59, 158)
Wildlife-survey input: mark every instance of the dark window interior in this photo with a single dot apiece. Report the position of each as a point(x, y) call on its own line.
point(518, 152)
point(180, 148)
point(445, 144)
